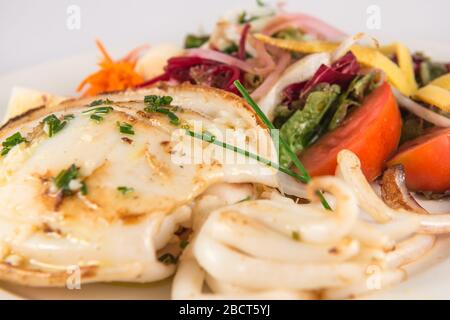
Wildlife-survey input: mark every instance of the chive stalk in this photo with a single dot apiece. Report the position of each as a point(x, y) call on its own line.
point(304, 175)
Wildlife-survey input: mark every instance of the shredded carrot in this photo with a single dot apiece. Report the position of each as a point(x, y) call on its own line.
point(113, 75)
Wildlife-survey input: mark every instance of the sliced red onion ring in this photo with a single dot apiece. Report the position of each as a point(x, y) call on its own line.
point(273, 77)
point(242, 41)
point(305, 22)
point(421, 111)
point(223, 58)
point(263, 63)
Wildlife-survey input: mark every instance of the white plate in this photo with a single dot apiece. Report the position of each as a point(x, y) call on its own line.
point(429, 279)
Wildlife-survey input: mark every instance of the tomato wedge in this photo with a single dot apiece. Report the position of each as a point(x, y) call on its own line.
point(372, 132)
point(426, 161)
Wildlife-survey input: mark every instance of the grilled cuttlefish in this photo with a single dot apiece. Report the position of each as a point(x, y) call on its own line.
point(104, 185)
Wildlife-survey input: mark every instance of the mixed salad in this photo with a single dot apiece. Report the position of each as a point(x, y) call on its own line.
point(323, 89)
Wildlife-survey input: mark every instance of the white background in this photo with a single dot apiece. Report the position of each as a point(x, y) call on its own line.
point(33, 32)
point(37, 50)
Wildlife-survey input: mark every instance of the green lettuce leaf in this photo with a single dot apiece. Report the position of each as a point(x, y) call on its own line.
point(300, 128)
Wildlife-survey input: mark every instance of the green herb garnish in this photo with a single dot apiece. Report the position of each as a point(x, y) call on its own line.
point(97, 113)
point(160, 104)
point(84, 188)
point(290, 33)
point(304, 175)
point(247, 198)
point(52, 125)
point(157, 101)
point(11, 141)
point(63, 179)
point(295, 235)
point(96, 103)
point(96, 117)
point(193, 41)
point(300, 128)
point(69, 117)
point(99, 110)
point(230, 49)
point(168, 258)
point(207, 137)
point(184, 244)
point(125, 190)
point(172, 116)
point(100, 102)
point(244, 18)
point(125, 128)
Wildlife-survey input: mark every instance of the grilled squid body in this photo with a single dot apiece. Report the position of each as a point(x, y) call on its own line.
point(111, 235)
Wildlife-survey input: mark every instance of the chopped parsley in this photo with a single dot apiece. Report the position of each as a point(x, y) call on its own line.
point(125, 128)
point(125, 190)
point(69, 117)
point(157, 101)
point(194, 41)
point(244, 18)
point(12, 141)
point(99, 110)
point(247, 198)
point(168, 258)
point(161, 105)
point(97, 113)
point(96, 118)
point(64, 178)
point(100, 102)
point(84, 188)
point(230, 49)
point(184, 244)
point(52, 125)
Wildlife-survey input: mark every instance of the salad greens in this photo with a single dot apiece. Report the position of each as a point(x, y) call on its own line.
point(324, 109)
point(354, 95)
point(427, 70)
point(195, 41)
point(289, 34)
point(299, 129)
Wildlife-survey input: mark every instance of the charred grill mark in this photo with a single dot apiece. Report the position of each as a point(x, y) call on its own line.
point(35, 133)
point(166, 146)
point(127, 104)
point(131, 218)
point(46, 228)
point(150, 116)
point(21, 116)
point(89, 271)
point(52, 201)
point(127, 140)
point(156, 165)
point(333, 251)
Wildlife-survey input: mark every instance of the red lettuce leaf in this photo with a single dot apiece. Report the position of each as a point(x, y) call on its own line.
point(198, 70)
point(341, 72)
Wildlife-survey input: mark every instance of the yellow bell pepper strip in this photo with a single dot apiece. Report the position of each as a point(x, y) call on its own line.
point(404, 59)
point(442, 81)
point(434, 95)
point(365, 55)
